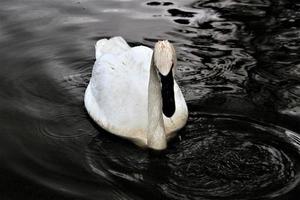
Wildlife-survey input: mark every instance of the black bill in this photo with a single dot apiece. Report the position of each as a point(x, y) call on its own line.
point(167, 92)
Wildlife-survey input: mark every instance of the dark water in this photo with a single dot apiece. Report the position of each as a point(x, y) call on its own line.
point(239, 69)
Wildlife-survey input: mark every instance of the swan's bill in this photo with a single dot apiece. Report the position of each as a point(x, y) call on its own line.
point(167, 93)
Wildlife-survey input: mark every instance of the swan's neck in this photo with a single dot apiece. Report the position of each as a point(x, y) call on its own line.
point(156, 136)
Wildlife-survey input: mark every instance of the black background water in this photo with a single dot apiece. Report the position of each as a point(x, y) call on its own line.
point(238, 68)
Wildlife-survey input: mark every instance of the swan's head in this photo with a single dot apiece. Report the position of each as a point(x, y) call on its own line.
point(164, 57)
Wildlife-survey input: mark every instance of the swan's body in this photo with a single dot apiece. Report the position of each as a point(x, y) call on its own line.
point(124, 95)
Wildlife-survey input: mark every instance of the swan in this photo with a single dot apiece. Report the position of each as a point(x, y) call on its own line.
point(132, 92)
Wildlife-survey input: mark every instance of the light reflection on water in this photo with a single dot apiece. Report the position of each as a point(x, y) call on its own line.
point(238, 69)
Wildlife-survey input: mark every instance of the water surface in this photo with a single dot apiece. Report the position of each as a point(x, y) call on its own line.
point(238, 68)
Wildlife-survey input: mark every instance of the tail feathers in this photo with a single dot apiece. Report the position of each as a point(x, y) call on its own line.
point(115, 45)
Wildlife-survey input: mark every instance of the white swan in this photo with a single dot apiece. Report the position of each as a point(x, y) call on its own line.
point(132, 92)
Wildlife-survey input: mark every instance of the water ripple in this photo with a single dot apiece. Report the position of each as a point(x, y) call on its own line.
point(212, 157)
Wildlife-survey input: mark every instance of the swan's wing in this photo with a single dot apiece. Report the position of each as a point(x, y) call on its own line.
point(115, 45)
point(116, 97)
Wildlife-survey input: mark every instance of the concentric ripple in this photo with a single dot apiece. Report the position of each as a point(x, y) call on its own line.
point(212, 157)
point(232, 158)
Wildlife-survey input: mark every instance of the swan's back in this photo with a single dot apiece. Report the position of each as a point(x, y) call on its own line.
point(115, 45)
